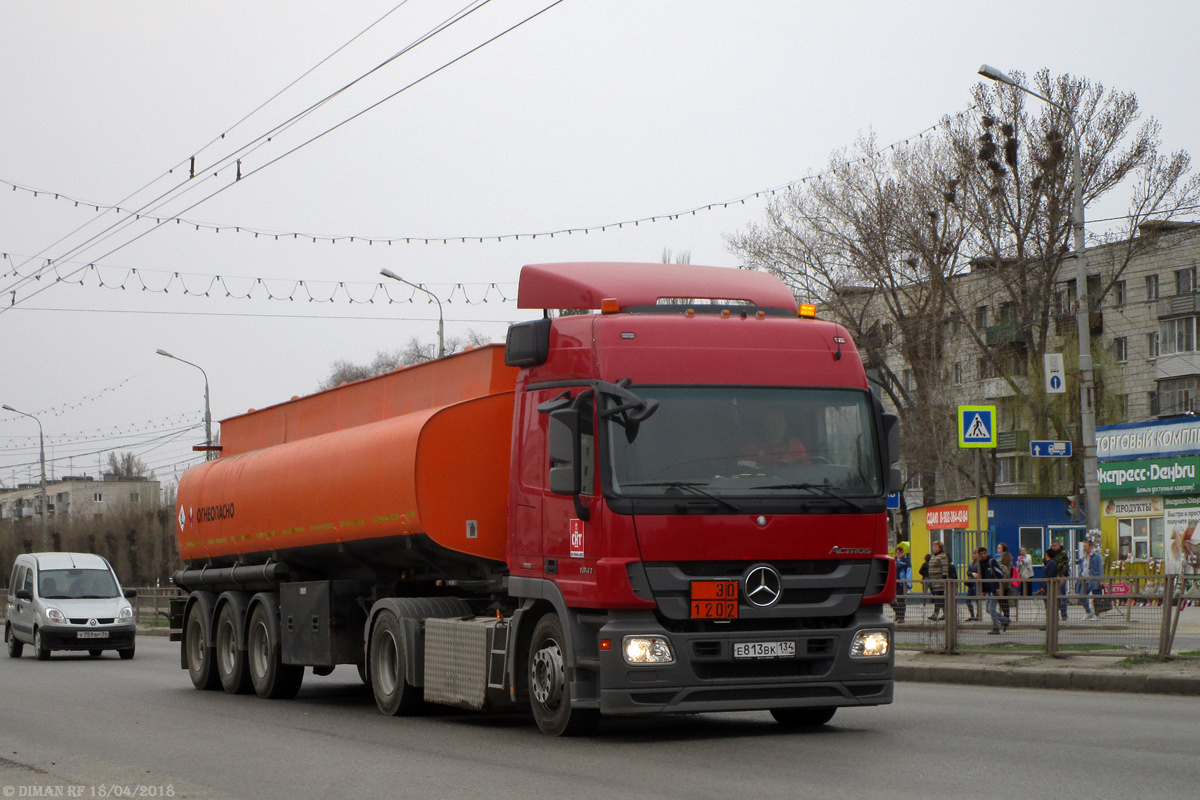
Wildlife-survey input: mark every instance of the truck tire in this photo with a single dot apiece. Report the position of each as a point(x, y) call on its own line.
point(803, 717)
point(42, 653)
point(272, 679)
point(394, 695)
point(549, 688)
point(15, 645)
point(230, 659)
point(199, 655)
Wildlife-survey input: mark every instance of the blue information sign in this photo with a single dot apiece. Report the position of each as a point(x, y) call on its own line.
point(1050, 449)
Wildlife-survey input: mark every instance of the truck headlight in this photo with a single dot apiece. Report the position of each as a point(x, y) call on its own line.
point(126, 614)
point(54, 615)
point(647, 650)
point(874, 643)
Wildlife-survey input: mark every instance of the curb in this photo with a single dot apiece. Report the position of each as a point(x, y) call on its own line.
point(1088, 680)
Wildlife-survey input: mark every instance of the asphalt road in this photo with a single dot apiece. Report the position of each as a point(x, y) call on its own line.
point(96, 728)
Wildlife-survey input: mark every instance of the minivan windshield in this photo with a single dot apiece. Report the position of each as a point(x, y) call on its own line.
point(76, 584)
point(747, 442)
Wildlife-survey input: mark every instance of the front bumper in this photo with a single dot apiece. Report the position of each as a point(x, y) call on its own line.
point(67, 637)
point(707, 677)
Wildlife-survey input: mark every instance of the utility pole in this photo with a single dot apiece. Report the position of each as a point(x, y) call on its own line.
point(45, 545)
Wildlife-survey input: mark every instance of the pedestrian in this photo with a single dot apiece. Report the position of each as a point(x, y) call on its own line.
point(1050, 573)
point(1004, 557)
point(1090, 568)
point(903, 576)
point(973, 611)
point(939, 570)
point(990, 580)
point(1025, 572)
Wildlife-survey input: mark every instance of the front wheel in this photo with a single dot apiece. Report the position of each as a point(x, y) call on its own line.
point(394, 695)
point(42, 653)
point(803, 717)
point(549, 688)
point(126, 653)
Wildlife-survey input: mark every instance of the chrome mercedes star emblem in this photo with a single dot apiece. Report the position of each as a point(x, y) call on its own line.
point(763, 586)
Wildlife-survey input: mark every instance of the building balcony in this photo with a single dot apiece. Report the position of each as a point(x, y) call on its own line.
point(1000, 387)
point(1065, 324)
point(1176, 365)
point(1004, 333)
point(1181, 305)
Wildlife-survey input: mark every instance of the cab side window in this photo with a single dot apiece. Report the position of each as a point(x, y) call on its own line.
point(14, 582)
point(28, 581)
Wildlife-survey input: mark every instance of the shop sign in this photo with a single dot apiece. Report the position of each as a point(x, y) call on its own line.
point(1157, 439)
point(1149, 476)
point(945, 517)
point(1182, 540)
point(1142, 507)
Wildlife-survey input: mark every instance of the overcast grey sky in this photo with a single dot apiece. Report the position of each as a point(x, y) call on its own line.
point(591, 113)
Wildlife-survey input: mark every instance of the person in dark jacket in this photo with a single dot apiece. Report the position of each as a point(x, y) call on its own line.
point(903, 576)
point(990, 576)
point(1050, 571)
point(1062, 569)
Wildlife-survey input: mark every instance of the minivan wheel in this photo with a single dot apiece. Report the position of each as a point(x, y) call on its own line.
point(126, 653)
point(42, 653)
point(95, 653)
point(15, 645)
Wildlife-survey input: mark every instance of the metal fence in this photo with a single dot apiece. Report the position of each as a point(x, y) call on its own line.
point(149, 607)
point(1132, 615)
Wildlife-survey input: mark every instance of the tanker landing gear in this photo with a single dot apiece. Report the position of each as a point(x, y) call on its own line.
point(549, 688)
point(393, 693)
point(272, 678)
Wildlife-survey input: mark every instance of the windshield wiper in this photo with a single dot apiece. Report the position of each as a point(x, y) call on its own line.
point(814, 487)
point(695, 489)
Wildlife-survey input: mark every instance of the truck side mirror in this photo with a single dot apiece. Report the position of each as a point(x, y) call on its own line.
point(895, 480)
point(564, 451)
point(891, 429)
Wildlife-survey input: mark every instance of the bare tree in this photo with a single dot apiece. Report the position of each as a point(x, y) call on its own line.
point(126, 465)
point(414, 352)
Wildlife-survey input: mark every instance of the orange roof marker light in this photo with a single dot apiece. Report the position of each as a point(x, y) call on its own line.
point(609, 305)
point(807, 310)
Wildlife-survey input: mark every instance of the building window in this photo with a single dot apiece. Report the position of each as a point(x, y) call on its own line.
point(957, 376)
point(1140, 538)
point(1031, 540)
point(1178, 335)
point(1152, 402)
point(1151, 287)
point(98, 497)
point(1152, 345)
point(1120, 347)
point(985, 369)
point(133, 497)
point(981, 318)
point(907, 380)
point(1178, 395)
point(1010, 470)
point(1185, 280)
point(1119, 293)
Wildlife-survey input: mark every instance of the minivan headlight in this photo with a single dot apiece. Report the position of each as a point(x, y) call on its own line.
point(126, 614)
point(54, 615)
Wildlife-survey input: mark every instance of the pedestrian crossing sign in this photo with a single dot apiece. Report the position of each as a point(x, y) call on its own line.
point(976, 426)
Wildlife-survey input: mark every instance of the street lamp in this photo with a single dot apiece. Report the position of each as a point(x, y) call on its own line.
point(1087, 411)
point(387, 273)
point(209, 453)
point(42, 448)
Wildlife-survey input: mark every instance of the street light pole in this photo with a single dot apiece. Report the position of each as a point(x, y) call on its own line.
point(209, 454)
point(387, 273)
point(1087, 410)
point(42, 456)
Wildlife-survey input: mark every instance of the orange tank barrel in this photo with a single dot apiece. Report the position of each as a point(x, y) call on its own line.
point(439, 466)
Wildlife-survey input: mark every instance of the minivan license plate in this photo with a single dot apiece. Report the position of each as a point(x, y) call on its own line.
point(764, 649)
point(92, 634)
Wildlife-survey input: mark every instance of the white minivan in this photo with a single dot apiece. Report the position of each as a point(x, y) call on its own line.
point(67, 601)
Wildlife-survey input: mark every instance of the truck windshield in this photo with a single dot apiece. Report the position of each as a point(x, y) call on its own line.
point(747, 442)
point(76, 584)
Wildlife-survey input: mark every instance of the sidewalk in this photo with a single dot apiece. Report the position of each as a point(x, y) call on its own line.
point(1089, 673)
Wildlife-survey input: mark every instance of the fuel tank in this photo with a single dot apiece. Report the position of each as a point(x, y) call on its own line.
point(421, 450)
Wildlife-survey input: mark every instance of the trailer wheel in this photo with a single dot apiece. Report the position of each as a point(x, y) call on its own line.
point(231, 659)
point(199, 656)
point(272, 679)
point(803, 717)
point(394, 695)
point(549, 689)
